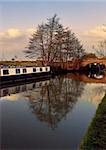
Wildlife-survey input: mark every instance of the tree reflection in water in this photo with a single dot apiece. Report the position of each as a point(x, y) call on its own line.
point(56, 99)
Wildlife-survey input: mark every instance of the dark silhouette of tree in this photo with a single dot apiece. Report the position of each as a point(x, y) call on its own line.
point(53, 42)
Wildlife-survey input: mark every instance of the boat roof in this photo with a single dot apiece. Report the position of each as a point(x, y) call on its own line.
point(8, 66)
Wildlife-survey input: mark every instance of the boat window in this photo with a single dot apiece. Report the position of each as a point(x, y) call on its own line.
point(17, 71)
point(5, 92)
point(34, 69)
point(40, 69)
point(34, 85)
point(17, 89)
point(23, 88)
point(5, 72)
point(46, 69)
point(24, 70)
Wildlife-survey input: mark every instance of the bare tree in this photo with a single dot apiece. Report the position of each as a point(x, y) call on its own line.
point(53, 42)
point(72, 47)
point(101, 49)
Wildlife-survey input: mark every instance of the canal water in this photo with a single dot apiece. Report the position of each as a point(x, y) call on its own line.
point(51, 114)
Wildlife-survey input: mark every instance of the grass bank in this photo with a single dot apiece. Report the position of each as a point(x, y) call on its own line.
point(95, 139)
point(19, 63)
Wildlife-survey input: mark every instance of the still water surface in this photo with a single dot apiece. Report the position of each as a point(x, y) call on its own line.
point(51, 114)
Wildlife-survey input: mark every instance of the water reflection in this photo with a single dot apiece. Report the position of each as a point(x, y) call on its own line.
point(7, 91)
point(56, 100)
point(96, 75)
point(93, 93)
point(64, 103)
point(50, 100)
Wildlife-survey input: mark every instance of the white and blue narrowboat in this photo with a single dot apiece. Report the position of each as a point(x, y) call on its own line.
point(18, 73)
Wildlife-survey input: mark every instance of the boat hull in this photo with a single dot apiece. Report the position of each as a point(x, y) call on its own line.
point(24, 77)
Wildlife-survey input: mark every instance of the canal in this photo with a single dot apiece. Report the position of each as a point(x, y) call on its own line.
point(51, 114)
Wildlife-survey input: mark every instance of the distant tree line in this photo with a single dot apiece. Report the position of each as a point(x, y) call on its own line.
point(89, 55)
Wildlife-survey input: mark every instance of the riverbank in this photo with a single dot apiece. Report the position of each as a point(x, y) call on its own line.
point(96, 134)
point(18, 63)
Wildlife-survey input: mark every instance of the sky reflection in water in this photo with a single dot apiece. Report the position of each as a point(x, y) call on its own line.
point(52, 114)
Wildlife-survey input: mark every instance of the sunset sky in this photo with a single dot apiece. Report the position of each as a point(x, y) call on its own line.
point(20, 18)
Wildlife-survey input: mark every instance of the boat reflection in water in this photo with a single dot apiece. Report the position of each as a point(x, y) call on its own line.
point(21, 88)
point(97, 75)
point(49, 100)
point(51, 114)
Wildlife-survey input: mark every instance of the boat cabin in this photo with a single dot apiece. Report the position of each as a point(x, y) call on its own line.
point(11, 71)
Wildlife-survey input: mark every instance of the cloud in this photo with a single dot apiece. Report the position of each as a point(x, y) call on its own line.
point(13, 41)
point(14, 33)
point(10, 34)
point(97, 32)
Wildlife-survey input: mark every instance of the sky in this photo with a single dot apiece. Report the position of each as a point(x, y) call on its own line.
point(19, 19)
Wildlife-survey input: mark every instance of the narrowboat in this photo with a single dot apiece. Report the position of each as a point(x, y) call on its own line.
point(16, 73)
point(20, 88)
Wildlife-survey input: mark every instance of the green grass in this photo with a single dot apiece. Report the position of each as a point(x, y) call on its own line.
point(95, 139)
